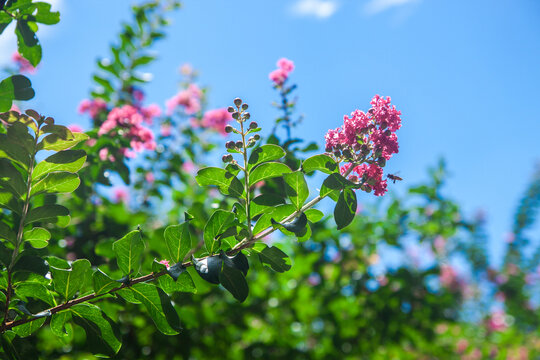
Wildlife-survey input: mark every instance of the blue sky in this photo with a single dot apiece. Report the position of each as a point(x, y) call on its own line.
point(465, 75)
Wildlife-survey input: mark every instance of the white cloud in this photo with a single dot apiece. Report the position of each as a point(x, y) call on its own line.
point(318, 8)
point(377, 6)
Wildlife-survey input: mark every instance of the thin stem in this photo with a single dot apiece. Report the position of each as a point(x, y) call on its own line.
point(20, 232)
point(246, 178)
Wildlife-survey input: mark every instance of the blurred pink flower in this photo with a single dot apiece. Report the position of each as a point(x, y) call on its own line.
point(186, 69)
point(22, 64)
point(497, 321)
point(281, 74)
point(462, 345)
point(216, 119)
point(189, 99)
point(166, 130)
point(120, 195)
point(75, 128)
point(188, 166)
point(150, 177)
point(103, 153)
point(165, 262)
point(92, 107)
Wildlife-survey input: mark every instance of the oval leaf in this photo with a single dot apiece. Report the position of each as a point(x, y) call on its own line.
point(267, 171)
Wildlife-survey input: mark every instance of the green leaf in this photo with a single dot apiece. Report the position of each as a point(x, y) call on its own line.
point(57, 182)
point(26, 290)
point(60, 325)
point(183, 283)
point(333, 184)
point(218, 223)
point(279, 213)
point(314, 215)
point(233, 280)
point(264, 203)
point(46, 213)
point(265, 153)
point(27, 329)
point(178, 240)
point(102, 282)
point(44, 14)
point(159, 306)
point(275, 258)
point(7, 233)
point(267, 171)
point(298, 226)
point(128, 252)
point(345, 208)
point(31, 263)
point(68, 160)
point(227, 183)
point(11, 149)
point(143, 60)
point(102, 336)
point(13, 116)
point(56, 143)
point(297, 189)
point(320, 162)
point(27, 42)
point(37, 237)
point(11, 179)
point(68, 281)
point(16, 87)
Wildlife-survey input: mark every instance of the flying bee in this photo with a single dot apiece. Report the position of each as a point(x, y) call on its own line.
point(394, 178)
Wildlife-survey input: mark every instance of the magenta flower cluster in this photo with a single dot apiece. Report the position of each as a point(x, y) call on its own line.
point(189, 99)
point(128, 121)
point(281, 74)
point(368, 139)
point(92, 107)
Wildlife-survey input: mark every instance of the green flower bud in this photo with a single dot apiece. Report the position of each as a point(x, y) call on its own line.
point(244, 106)
point(230, 109)
point(237, 102)
point(228, 129)
point(253, 125)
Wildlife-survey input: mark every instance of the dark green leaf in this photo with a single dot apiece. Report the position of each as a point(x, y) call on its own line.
point(11, 179)
point(345, 208)
point(265, 153)
point(208, 268)
point(267, 171)
point(31, 263)
point(275, 258)
point(56, 143)
point(218, 223)
point(11, 149)
point(60, 325)
point(68, 281)
point(34, 290)
point(233, 280)
point(128, 252)
point(68, 160)
point(16, 87)
point(102, 336)
point(298, 226)
point(264, 203)
point(178, 240)
point(279, 213)
point(333, 184)
point(238, 261)
point(27, 42)
point(27, 329)
point(47, 213)
point(159, 307)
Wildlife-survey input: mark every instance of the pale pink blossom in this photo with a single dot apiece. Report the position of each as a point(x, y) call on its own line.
point(186, 69)
point(92, 107)
point(189, 99)
point(188, 167)
point(120, 195)
point(22, 64)
point(281, 74)
point(75, 128)
point(103, 154)
point(462, 345)
point(497, 321)
point(216, 119)
point(165, 262)
point(149, 177)
point(166, 130)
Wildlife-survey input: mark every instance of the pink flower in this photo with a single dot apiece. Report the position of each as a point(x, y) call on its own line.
point(120, 195)
point(149, 177)
point(150, 112)
point(370, 177)
point(497, 321)
point(138, 95)
point(92, 107)
point(216, 119)
point(462, 345)
point(103, 153)
point(166, 263)
point(75, 128)
point(189, 99)
point(166, 130)
point(281, 74)
point(285, 64)
point(186, 69)
point(188, 166)
point(448, 277)
point(22, 64)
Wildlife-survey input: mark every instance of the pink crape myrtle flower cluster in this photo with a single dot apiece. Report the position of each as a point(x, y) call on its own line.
point(92, 107)
point(22, 64)
point(189, 99)
point(281, 74)
point(128, 121)
point(368, 139)
point(216, 119)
